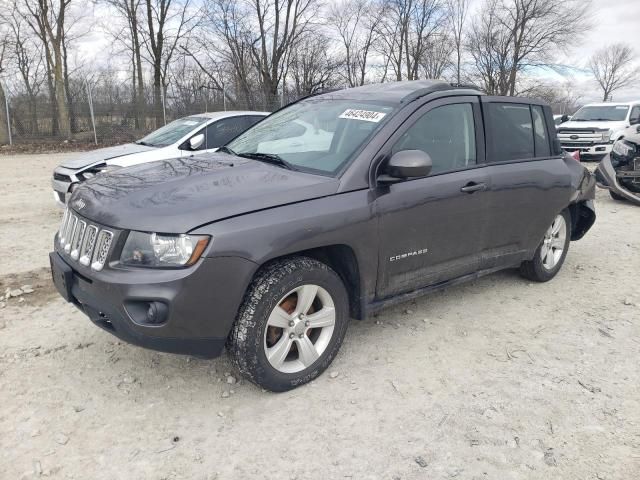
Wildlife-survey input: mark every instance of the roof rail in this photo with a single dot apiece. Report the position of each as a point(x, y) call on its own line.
point(438, 87)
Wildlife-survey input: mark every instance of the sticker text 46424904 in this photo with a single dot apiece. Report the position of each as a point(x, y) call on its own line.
point(366, 115)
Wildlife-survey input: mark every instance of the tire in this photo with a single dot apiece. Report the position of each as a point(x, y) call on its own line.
point(615, 196)
point(547, 261)
point(262, 336)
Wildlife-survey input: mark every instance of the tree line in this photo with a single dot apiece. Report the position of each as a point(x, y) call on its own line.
point(255, 53)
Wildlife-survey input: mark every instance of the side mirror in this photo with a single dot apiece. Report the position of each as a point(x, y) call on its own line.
point(557, 146)
point(196, 141)
point(406, 164)
point(564, 118)
point(634, 121)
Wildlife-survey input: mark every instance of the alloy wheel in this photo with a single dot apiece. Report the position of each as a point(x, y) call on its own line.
point(299, 328)
point(553, 243)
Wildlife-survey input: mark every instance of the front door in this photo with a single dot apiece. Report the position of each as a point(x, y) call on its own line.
point(432, 229)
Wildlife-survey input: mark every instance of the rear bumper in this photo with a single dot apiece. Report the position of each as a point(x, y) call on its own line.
point(198, 305)
point(608, 178)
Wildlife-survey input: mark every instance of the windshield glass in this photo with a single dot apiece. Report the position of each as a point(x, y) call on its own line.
point(604, 113)
point(318, 135)
point(172, 132)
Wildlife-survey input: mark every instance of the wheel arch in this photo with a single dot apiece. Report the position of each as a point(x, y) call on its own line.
point(343, 260)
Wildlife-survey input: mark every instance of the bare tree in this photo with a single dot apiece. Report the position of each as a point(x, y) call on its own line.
point(357, 24)
point(47, 20)
point(28, 59)
point(406, 31)
point(613, 68)
point(311, 66)
point(282, 24)
point(513, 35)
point(130, 38)
point(167, 22)
point(223, 50)
point(4, 53)
point(436, 59)
point(457, 16)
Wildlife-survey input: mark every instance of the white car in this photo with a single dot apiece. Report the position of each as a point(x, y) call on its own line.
point(594, 128)
point(187, 136)
point(298, 136)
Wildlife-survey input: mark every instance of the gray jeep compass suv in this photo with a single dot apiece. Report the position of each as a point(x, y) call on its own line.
point(329, 209)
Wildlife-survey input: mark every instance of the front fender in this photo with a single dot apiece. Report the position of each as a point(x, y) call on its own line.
point(342, 219)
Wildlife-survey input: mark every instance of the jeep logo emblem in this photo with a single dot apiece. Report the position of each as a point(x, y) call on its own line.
point(574, 137)
point(79, 204)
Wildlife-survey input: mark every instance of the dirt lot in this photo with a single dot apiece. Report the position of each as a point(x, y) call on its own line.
point(497, 379)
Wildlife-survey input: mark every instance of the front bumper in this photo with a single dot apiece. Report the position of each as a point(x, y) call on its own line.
point(596, 150)
point(200, 302)
point(608, 178)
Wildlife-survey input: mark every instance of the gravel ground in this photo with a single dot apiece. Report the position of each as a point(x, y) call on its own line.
point(496, 379)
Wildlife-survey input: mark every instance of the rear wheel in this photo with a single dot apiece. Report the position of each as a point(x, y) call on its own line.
point(615, 196)
point(290, 325)
point(551, 252)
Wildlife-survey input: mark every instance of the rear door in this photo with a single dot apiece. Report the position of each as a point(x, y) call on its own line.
point(432, 229)
point(529, 184)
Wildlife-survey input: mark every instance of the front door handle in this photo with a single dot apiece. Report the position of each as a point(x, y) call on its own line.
point(473, 187)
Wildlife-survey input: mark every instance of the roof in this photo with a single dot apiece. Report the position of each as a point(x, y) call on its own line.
point(395, 92)
point(612, 104)
point(228, 113)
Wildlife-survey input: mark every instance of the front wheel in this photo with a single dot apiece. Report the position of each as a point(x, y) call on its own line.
point(290, 325)
point(551, 252)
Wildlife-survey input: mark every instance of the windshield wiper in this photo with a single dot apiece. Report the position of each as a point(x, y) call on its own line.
point(267, 158)
point(146, 144)
point(225, 149)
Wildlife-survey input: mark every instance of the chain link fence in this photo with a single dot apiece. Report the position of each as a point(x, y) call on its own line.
point(102, 116)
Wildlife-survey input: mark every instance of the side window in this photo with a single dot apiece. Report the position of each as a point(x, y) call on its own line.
point(540, 137)
point(510, 132)
point(221, 132)
point(634, 117)
point(251, 120)
point(447, 134)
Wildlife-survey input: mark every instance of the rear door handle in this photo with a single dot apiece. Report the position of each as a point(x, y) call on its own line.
point(473, 187)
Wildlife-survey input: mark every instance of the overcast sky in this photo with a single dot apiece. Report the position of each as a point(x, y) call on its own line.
point(612, 21)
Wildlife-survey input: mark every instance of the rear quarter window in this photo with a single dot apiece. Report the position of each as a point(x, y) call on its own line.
point(510, 132)
point(540, 135)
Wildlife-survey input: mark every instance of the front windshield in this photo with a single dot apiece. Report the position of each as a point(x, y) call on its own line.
point(172, 132)
point(317, 134)
point(603, 113)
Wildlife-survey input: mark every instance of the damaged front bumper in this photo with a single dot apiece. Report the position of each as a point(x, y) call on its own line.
point(623, 181)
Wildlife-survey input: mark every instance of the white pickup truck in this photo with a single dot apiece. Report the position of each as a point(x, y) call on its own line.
point(594, 128)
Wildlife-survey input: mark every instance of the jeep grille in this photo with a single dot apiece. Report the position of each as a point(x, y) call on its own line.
point(84, 242)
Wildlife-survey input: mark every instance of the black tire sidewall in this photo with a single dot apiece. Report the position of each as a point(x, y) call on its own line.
point(541, 271)
point(278, 281)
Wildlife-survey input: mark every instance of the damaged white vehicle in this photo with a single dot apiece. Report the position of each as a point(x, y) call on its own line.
point(188, 136)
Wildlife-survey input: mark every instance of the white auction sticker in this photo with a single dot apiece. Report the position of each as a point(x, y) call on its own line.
point(366, 115)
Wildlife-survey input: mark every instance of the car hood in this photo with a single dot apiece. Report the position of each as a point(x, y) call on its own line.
point(178, 195)
point(570, 125)
point(102, 154)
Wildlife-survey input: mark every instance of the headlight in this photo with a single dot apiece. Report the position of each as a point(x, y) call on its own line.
point(606, 136)
point(160, 250)
point(93, 171)
point(623, 149)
